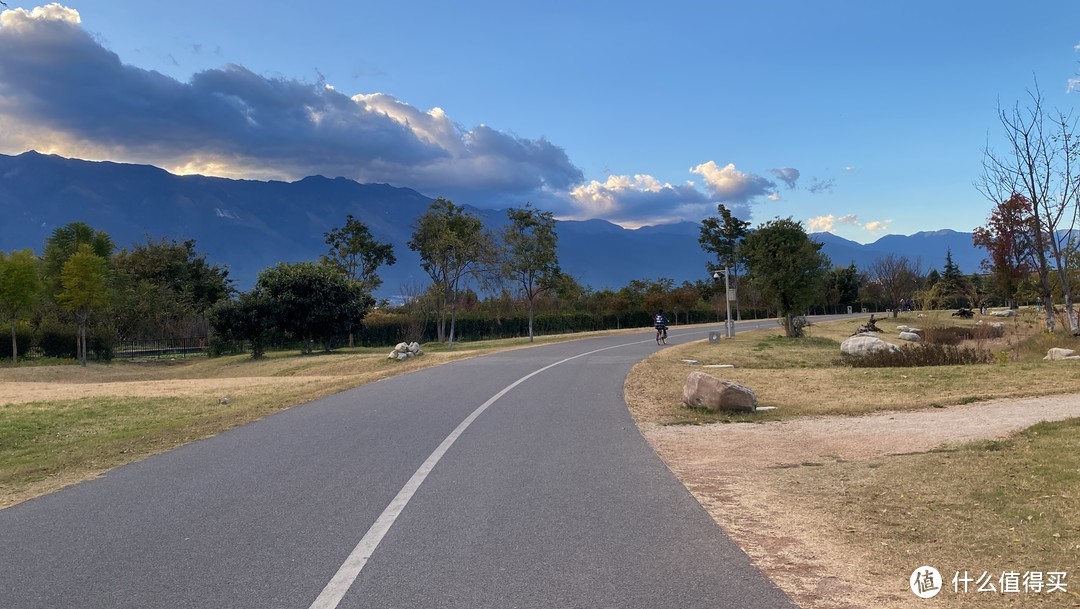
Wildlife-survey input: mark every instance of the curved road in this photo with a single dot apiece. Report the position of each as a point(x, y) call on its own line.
point(511, 480)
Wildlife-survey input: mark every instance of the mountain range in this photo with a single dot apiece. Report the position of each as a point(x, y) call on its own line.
point(249, 225)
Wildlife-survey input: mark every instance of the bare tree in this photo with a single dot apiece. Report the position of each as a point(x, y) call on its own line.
point(897, 277)
point(1040, 163)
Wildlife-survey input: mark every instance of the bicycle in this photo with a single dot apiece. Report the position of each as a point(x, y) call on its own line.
point(661, 335)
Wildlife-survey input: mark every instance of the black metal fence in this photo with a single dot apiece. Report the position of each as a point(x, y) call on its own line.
point(159, 347)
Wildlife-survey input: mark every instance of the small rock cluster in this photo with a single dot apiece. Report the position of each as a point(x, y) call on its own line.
point(404, 351)
point(909, 334)
point(997, 325)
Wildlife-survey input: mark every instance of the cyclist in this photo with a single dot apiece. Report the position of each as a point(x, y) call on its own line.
point(660, 322)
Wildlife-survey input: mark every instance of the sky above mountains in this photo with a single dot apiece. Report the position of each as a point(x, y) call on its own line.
point(860, 118)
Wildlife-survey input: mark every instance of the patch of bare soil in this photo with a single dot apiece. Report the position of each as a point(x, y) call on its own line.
point(728, 468)
point(27, 392)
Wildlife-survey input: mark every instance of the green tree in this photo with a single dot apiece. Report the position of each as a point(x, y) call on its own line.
point(787, 266)
point(165, 288)
point(452, 245)
point(312, 301)
point(245, 318)
point(530, 257)
point(953, 286)
point(64, 242)
point(83, 282)
point(842, 286)
point(19, 288)
point(683, 298)
point(354, 250)
point(723, 236)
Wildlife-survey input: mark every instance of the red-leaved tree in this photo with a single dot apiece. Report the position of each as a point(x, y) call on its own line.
point(1009, 239)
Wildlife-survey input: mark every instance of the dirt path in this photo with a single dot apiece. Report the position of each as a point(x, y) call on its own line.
point(726, 467)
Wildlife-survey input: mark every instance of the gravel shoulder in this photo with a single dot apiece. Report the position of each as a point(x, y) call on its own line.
point(727, 467)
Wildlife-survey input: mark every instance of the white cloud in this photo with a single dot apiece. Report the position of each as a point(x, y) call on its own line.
point(828, 222)
point(821, 224)
point(637, 200)
point(729, 184)
point(20, 18)
point(878, 227)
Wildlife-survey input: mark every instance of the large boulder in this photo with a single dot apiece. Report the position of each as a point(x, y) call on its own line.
point(1004, 313)
point(861, 345)
point(910, 336)
point(705, 391)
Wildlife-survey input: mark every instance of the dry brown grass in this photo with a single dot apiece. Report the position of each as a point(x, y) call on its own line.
point(800, 377)
point(820, 499)
point(62, 424)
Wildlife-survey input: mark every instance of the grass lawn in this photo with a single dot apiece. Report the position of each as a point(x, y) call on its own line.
point(1003, 507)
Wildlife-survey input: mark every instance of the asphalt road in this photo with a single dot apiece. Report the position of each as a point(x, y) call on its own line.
point(511, 480)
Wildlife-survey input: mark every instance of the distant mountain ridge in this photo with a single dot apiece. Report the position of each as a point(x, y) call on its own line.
point(248, 225)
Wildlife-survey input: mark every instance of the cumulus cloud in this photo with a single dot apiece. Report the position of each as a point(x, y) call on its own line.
point(731, 185)
point(877, 227)
point(637, 200)
point(62, 92)
point(787, 175)
point(821, 224)
point(828, 222)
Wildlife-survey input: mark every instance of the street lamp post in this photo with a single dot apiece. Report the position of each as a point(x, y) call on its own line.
point(729, 323)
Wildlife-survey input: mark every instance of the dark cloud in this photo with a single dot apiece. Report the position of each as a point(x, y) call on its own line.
point(57, 81)
point(787, 175)
point(819, 186)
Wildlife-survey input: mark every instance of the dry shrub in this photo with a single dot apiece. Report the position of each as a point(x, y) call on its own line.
point(927, 354)
point(955, 335)
point(948, 335)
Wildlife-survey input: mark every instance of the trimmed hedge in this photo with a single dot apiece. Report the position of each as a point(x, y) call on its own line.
point(381, 328)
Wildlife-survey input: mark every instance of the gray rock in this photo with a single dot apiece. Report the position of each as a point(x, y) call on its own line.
point(1058, 353)
point(862, 344)
point(1004, 313)
point(704, 391)
point(910, 336)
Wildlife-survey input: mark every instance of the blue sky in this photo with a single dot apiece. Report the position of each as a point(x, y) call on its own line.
point(863, 118)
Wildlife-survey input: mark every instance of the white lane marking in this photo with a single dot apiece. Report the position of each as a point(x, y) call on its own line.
point(335, 590)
